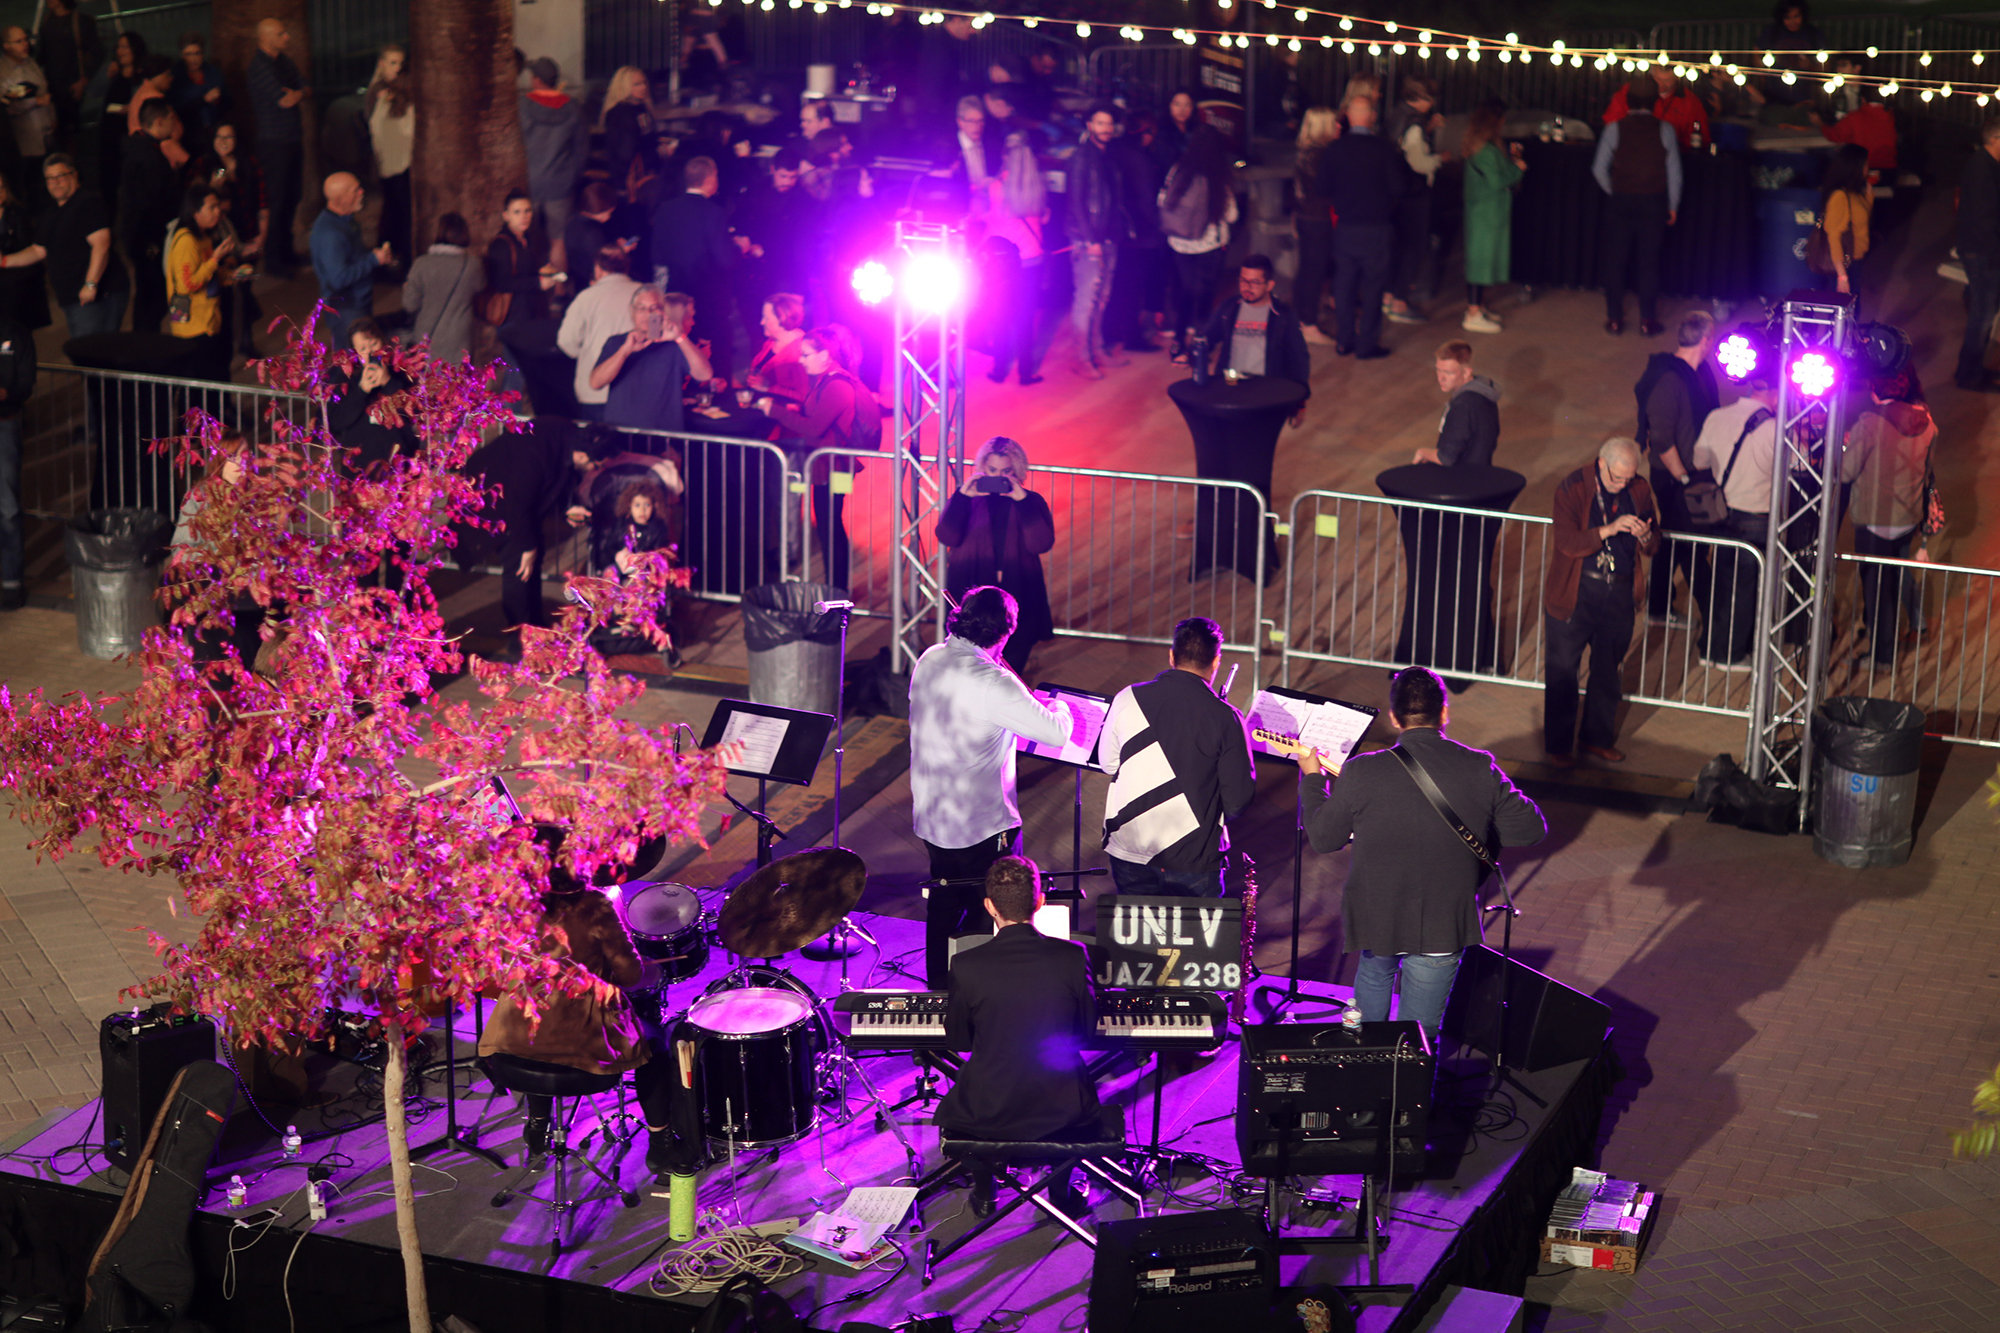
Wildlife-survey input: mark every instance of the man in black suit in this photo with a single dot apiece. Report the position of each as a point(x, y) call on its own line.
point(1022, 1005)
point(691, 241)
point(1411, 902)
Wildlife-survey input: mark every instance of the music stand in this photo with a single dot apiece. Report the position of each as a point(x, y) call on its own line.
point(1087, 713)
point(779, 745)
point(1332, 725)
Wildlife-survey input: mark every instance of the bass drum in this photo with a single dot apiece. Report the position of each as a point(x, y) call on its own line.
point(665, 922)
point(756, 1057)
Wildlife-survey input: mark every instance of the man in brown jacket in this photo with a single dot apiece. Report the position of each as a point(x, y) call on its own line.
point(1606, 521)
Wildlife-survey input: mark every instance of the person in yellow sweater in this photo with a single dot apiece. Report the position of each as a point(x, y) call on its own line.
point(199, 263)
point(1847, 201)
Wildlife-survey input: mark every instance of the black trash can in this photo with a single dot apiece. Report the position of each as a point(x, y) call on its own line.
point(114, 559)
point(794, 650)
point(1865, 780)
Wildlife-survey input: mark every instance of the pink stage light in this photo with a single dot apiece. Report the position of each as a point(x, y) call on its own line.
point(1813, 374)
point(1738, 356)
point(932, 282)
point(872, 282)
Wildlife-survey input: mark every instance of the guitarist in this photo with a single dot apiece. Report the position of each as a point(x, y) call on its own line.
point(1411, 902)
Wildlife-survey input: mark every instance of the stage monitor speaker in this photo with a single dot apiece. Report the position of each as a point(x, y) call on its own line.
point(1186, 1273)
point(141, 1053)
point(1548, 1023)
point(1319, 1099)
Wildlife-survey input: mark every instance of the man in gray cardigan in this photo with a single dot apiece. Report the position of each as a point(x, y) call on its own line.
point(1411, 901)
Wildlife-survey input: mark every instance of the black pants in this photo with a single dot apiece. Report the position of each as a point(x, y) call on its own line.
point(283, 164)
point(1361, 253)
point(1014, 300)
point(1635, 227)
point(395, 225)
point(1130, 282)
point(149, 291)
point(1415, 276)
point(830, 525)
point(959, 908)
point(521, 599)
point(1601, 622)
point(1315, 259)
point(1195, 277)
point(1883, 591)
point(1678, 555)
point(1725, 586)
point(1982, 305)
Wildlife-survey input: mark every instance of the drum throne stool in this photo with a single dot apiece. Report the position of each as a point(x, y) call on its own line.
point(566, 1089)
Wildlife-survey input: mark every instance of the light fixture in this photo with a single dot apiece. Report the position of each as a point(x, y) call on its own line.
point(1813, 374)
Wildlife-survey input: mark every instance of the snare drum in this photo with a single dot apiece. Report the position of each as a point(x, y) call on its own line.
point(755, 1057)
point(665, 923)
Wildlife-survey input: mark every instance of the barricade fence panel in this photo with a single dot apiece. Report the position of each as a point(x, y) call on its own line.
point(1920, 633)
point(846, 516)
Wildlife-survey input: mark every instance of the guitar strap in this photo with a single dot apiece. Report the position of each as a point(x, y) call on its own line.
point(1438, 802)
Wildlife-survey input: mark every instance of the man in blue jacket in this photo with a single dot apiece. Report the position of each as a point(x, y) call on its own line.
point(342, 261)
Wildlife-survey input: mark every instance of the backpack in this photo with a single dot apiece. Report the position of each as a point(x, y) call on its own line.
point(1187, 220)
point(864, 428)
point(746, 1305)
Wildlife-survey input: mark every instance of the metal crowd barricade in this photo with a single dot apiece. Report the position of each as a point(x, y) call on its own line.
point(1143, 75)
point(84, 436)
point(1372, 581)
point(846, 524)
point(1939, 627)
point(733, 524)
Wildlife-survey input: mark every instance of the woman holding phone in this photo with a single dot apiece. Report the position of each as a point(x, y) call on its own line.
point(994, 531)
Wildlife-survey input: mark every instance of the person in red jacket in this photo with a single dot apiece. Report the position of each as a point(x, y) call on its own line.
point(1678, 107)
point(1867, 122)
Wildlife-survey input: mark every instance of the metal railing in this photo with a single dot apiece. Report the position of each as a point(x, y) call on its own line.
point(84, 436)
point(847, 524)
point(1920, 633)
point(1380, 582)
point(1145, 75)
point(617, 33)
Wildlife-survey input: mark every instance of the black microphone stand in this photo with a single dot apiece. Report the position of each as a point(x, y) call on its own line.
point(1502, 1072)
point(768, 831)
point(1292, 994)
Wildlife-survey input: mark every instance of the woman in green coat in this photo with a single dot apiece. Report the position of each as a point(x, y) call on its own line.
point(1492, 174)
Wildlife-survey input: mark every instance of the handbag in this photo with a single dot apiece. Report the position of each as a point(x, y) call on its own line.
point(1706, 502)
point(1819, 248)
point(491, 306)
point(1931, 523)
point(1429, 788)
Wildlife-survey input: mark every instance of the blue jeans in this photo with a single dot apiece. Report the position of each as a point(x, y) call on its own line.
point(10, 500)
point(1092, 274)
point(103, 315)
point(1426, 986)
point(1131, 877)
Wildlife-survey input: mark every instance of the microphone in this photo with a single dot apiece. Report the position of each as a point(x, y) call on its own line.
point(1229, 681)
point(823, 607)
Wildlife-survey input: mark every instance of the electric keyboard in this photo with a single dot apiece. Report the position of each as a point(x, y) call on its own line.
point(1167, 1019)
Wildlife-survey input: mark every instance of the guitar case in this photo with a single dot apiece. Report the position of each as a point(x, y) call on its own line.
point(142, 1277)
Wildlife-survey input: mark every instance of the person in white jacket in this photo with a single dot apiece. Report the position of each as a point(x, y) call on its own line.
point(966, 708)
point(600, 313)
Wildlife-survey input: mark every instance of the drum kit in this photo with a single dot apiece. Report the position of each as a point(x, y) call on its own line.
point(764, 1053)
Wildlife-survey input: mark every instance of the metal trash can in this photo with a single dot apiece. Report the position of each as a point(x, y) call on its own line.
point(794, 650)
point(114, 560)
point(1865, 786)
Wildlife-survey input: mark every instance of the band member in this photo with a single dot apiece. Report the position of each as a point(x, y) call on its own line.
point(1411, 902)
point(581, 927)
point(1180, 764)
point(1022, 1005)
point(966, 708)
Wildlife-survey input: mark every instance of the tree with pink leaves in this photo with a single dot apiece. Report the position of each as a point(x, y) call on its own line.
point(328, 817)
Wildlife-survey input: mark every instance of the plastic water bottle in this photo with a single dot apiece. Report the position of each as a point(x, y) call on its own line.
point(239, 1193)
point(1350, 1018)
point(293, 1143)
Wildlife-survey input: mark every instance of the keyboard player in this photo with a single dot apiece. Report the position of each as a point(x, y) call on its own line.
point(1022, 1005)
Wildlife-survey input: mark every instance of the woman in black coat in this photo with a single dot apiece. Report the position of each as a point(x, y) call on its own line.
point(994, 531)
point(515, 260)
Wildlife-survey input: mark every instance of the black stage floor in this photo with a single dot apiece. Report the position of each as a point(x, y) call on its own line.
point(1471, 1219)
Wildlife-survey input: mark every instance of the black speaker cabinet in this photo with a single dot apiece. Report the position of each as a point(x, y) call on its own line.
point(1319, 1099)
point(141, 1053)
point(1187, 1273)
point(1548, 1023)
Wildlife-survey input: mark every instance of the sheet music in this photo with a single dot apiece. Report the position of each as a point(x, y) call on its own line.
point(882, 1205)
point(762, 737)
point(1086, 720)
point(1331, 728)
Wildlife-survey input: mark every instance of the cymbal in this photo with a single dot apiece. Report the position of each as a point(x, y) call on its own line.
point(792, 901)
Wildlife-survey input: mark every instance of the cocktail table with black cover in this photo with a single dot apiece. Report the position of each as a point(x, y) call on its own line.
point(1235, 429)
point(1448, 560)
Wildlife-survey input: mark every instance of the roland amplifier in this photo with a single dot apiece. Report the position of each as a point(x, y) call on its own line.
point(1187, 1273)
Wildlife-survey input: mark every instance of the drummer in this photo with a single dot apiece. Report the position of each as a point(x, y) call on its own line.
point(581, 926)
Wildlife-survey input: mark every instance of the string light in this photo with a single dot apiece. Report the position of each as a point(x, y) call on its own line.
point(1347, 47)
point(1978, 57)
point(1295, 44)
point(1326, 42)
point(1083, 30)
point(1924, 59)
point(1374, 49)
point(1299, 14)
point(1873, 52)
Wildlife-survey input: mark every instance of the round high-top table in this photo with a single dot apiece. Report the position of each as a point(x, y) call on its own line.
point(1235, 429)
point(1448, 562)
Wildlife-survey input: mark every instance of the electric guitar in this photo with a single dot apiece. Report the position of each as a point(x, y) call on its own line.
point(1279, 742)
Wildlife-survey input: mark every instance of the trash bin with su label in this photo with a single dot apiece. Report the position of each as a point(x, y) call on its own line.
point(1867, 753)
point(794, 650)
point(114, 560)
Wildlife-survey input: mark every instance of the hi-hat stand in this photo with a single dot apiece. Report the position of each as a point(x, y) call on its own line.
point(838, 942)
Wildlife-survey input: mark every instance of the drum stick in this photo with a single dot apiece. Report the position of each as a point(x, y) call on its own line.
point(685, 1051)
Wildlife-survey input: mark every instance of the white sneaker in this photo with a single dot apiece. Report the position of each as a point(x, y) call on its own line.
point(1314, 336)
point(1478, 321)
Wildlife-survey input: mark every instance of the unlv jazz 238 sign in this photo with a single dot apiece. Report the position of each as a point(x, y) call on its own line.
point(1148, 941)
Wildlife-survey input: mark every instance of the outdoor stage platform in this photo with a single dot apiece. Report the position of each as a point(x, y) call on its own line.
point(1471, 1219)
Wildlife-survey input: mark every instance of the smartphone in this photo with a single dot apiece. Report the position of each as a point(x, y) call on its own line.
point(993, 485)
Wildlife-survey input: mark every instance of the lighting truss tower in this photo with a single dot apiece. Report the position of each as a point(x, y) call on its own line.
point(928, 371)
point(1795, 619)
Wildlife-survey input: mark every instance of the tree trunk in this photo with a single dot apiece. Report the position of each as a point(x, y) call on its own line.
point(394, 1067)
point(468, 151)
point(232, 41)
